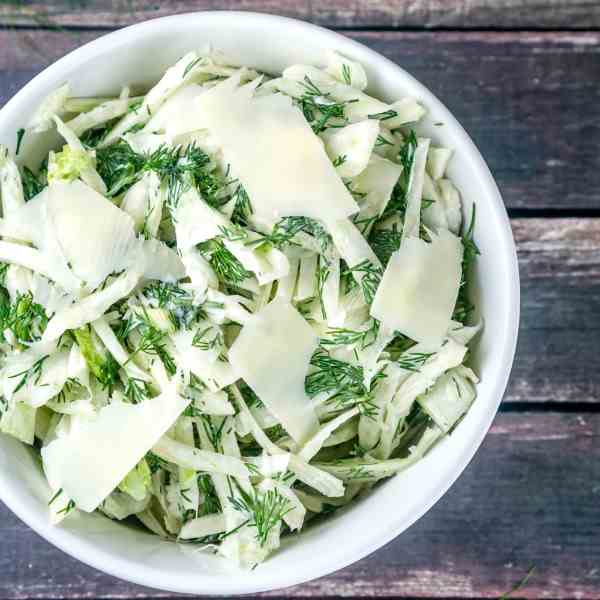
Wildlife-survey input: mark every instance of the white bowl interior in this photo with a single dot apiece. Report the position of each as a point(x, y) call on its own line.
point(139, 55)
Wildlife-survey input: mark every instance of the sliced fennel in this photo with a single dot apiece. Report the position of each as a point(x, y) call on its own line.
point(232, 302)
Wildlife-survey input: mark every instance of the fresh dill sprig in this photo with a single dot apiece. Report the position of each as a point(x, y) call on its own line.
point(203, 340)
point(136, 390)
point(155, 463)
point(25, 318)
point(470, 252)
point(265, 511)
point(345, 379)
point(209, 501)
point(347, 74)
point(322, 275)
point(413, 361)
point(370, 280)
point(182, 308)
point(242, 208)
point(32, 186)
point(34, 373)
point(284, 231)
point(340, 160)
point(349, 337)
point(213, 432)
point(383, 116)
point(20, 134)
point(225, 265)
point(385, 242)
point(319, 109)
point(71, 390)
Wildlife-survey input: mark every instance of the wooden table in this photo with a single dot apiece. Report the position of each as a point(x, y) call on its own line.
point(523, 77)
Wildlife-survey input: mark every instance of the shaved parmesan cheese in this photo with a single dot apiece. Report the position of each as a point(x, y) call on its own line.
point(95, 236)
point(419, 288)
point(300, 181)
point(277, 373)
point(174, 117)
point(351, 146)
point(96, 454)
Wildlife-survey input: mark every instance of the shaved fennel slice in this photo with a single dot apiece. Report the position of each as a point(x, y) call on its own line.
point(345, 70)
point(415, 191)
point(96, 454)
point(203, 526)
point(277, 373)
point(360, 105)
point(143, 203)
point(312, 446)
point(450, 355)
point(11, 187)
point(434, 215)
point(92, 307)
point(419, 287)
point(448, 400)
point(452, 204)
point(41, 263)
point(351, 146)
point(99, 115)
point(88, 172)
point(171, 81)
point(300, 181)
point(52, 105)
point(437, 161)
point(198, 460)
point(359, 470)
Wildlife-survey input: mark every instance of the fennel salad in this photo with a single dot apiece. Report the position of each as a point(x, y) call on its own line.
point(233, 303)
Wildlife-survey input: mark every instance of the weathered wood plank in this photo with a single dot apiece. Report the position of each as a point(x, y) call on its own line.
point(431, 14)
point(530, 101)
point(559, 262)
point(530, 498)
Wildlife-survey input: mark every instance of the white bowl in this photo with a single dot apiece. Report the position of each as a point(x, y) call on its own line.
point(140, 54)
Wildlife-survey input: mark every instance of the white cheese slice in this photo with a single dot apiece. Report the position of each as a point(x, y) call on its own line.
point(276, 373)
point(93, 457)
point(274, 153)
point(176, 116)
point(419, 288)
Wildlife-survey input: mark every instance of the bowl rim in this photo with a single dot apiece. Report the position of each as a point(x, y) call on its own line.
point(84, 551)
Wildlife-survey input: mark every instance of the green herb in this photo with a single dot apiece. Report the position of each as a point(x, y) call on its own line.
point(340, 160)
point(385, 242)
point(371, 277)
point(32, 186)
point(34, 373)
point(347, 74)
point(136, 390)
point(319, 109)
point(209, 501)
point(225, 265)
point(242, 208)
point(265, 511)
point(205, 343)
point(413, 361)
point(20, 134)
point(155, 463)
point(349, 337)
point(322, 275)
point(383, 116)
point(285, 230)
point(470, 252)
point(25, 318)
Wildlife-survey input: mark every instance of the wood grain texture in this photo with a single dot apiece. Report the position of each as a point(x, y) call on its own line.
point(530, 100)
point(531, 497)
point(431, 14)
